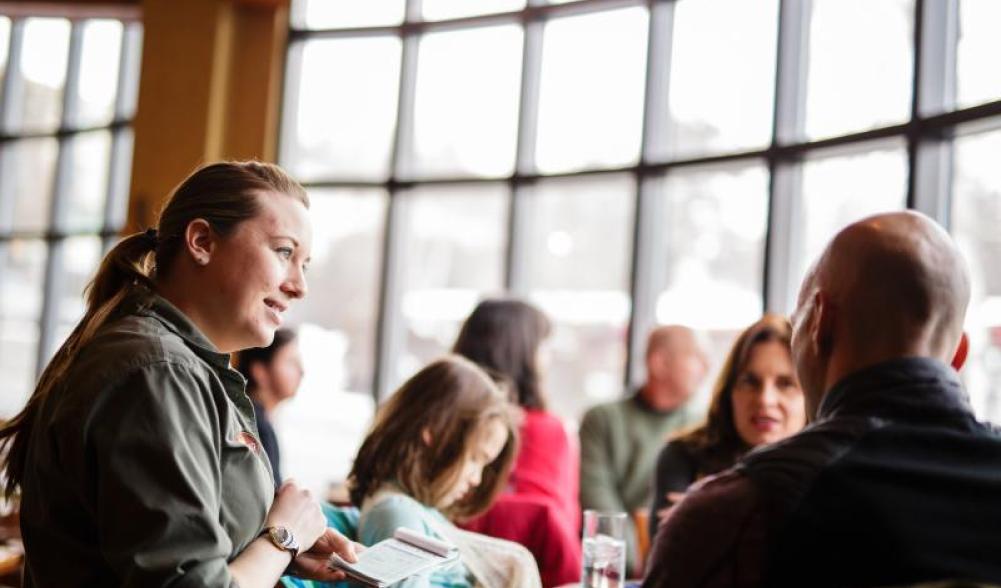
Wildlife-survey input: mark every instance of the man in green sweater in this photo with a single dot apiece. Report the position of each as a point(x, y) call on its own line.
point(619, 441)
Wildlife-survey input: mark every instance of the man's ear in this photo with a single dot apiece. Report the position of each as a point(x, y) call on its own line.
point(825, 316)
point(200, 241)
point(426, 436)
point(962, 351)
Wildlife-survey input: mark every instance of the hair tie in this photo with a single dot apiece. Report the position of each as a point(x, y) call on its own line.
point(151, 236)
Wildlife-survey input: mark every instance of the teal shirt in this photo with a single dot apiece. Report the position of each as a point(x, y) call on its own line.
point(380, 521)
point(144, 467)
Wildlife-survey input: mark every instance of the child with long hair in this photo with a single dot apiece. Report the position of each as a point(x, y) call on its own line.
point(440, 450)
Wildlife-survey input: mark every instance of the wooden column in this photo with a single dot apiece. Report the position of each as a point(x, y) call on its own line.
point(209, 89)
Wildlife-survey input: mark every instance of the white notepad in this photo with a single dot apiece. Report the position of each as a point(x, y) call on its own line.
point(392, 560)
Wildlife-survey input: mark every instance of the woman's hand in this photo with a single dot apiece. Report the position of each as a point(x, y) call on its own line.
point(295, 509)
point(673, 498)
point(314, 563)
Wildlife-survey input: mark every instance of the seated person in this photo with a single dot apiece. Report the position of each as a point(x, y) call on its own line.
point(757, 400)
point(539, 507)
point(441, 448)
point(273, 376)
point(619, 440)
point(895, 482)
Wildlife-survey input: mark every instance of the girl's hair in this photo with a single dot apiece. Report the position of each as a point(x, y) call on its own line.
point(248, 357)
point(716, 441)
point(503, 336)
point(223, 194)
point(425, 431)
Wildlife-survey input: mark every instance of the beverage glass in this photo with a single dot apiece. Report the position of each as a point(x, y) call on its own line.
point(604, 547)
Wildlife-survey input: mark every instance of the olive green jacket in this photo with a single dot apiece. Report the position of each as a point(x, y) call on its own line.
point(144, 467)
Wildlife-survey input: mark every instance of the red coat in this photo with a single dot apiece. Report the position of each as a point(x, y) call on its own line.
point(540, 509)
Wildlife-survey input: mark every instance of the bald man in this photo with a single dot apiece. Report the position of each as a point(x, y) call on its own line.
point(619, 440)
point(895, 482)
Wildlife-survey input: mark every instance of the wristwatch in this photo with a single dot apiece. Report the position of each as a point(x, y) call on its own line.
point(282, 538)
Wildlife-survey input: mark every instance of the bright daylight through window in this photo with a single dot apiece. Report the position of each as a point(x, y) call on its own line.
point(621, 164)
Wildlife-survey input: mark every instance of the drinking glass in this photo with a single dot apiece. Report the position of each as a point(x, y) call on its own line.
point(604, 546)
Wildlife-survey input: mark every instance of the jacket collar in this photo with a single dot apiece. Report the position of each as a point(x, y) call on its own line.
point(145, 302)
point(916, 387)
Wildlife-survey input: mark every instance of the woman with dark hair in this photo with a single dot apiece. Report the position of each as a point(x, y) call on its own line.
point(136, 457)
point(540, 508)
point(756, 400)
point(273, 375)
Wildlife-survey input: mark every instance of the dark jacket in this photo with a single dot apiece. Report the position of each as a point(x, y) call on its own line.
point(269, 441)
point(895, 483)
point(144, 467)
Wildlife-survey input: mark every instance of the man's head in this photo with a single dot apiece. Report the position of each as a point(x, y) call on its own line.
point(676, 366)
point(891, 285)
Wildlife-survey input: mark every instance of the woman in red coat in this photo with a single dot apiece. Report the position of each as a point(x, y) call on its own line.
point(540, 508)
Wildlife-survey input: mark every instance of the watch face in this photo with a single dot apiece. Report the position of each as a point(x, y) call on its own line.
point(281, 536)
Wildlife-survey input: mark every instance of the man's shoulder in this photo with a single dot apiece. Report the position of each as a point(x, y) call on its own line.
point(606, 414)
point(793, 463)
point(609, 408)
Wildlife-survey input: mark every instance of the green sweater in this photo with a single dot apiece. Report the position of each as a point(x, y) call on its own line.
point(619, 443)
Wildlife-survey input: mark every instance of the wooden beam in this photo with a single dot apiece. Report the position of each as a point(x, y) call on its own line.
point(209, 90)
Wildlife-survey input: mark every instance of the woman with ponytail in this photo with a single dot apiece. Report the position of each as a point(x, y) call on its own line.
point(137, 457)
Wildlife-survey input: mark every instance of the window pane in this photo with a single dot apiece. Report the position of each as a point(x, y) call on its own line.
point(76, 260)
point(840, 188)
point(29, 169)
point(99, 62)
point(4, 45)
point(89, 155)
point(344, 273)
point(326, 14)
point(711, 250)
point(79, 259)
point(580, 238)
point(444, 9)
point(722, 75)
point(322, 427)
point(860, 70)
point(453, 255)
point(976, 216)
point(341, 122)
point(22, 272)
point(43, 74)
point(977, 72)
point(468, 126)
point(591, 95)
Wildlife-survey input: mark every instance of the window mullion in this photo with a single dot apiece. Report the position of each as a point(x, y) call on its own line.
point(648, 261)
point(930, 154)
point(519, 229)
point(785, 186)
point(390, 326)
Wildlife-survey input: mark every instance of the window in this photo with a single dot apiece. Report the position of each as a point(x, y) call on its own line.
point(454, 240)
point(978, 79)
point(710, 250)
point(579, 241)
point(69, 89)
point(865, 82)
point(591, 98)
point(841, 187)
point(976, 214)
point(623, 163)
point(722, 76)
